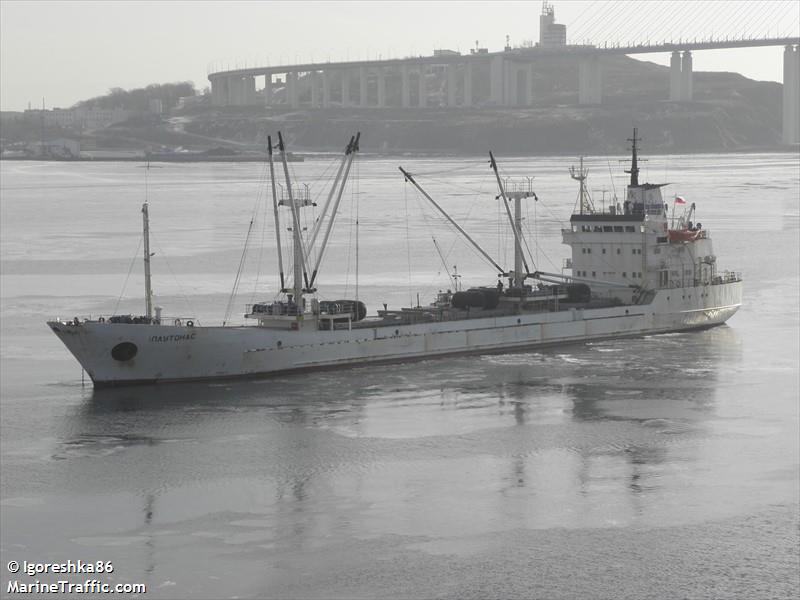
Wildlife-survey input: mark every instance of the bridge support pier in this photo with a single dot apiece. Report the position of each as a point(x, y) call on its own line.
point(326, 89)
point(313, 80)
point(687, 77)
point(791, 95)
point(529, 85)
point(244, 90)
point(422, 100)
point(681, 77)
point(467, 84)
point(219, 91)
point(291, 90)
point(268, 96)
point(405, 87)
point(497, 81)
point(382, 87)
point(675, 77)
point(345, 87)
point(235, 91)
point(450, 84)
point(362, 87)
point(313, 83)
point(590, 81)
point(511, 76)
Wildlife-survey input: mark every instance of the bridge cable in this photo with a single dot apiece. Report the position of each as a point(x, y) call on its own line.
point(582, 31)
point(597, 24)
point(582, 17)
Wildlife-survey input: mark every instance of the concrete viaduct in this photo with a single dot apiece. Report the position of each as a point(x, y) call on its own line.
point(510, 78)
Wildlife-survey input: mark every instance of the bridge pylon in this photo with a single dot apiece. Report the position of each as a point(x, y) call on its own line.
point(791, 95)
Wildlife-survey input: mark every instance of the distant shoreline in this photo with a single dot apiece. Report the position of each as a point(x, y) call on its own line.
point(311, 155)
point(148, 159)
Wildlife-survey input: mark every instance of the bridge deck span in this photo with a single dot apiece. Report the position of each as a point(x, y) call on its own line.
point(515, 54)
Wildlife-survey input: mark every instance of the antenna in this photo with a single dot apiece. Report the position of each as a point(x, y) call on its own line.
point(603, 206)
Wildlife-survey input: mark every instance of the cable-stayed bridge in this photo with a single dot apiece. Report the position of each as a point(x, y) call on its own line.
point(627, 23)
point(506, 78)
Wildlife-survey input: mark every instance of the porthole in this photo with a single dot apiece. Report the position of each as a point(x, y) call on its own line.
point(124, 351)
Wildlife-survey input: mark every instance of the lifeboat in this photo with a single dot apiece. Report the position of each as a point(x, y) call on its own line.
point(683, 235)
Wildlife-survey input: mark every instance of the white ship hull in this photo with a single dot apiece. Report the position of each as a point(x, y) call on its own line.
point(179, 353)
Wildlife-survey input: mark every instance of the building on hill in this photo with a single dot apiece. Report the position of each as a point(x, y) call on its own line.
point(80, 119)
point(551, 34)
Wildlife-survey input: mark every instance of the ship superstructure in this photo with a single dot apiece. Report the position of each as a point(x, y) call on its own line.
point(635, 269)
point(640, 243)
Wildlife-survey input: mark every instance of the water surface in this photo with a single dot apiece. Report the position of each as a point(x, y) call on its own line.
point(663, 466)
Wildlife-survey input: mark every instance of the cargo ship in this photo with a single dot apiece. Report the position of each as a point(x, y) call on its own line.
point(635, 269)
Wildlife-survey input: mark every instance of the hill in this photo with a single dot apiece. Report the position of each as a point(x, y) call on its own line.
point(728, 113)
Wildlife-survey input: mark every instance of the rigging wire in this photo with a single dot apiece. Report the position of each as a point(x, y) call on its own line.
point(238, 272)
point(539, 247)
point(408, 243)
point(349, 241)
point(181, 290)
point(263, 223)
point(428, 226)
point(357, 196)
point(441, 257)
point(456, 239)
point(130, 269)
point(611, 176)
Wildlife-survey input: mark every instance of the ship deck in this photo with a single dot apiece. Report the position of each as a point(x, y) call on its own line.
point(428, 314)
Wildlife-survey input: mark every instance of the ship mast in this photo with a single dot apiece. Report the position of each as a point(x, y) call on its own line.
point(350, 153)
point(634, 160)
point(300, 272)
point(521, 269)
point(580, 174)
point(275, 210)
point(148, 289)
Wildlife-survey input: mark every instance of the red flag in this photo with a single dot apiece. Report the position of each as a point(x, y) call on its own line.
point(679, 200)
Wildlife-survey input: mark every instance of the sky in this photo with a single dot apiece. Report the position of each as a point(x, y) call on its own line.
point(66, 51)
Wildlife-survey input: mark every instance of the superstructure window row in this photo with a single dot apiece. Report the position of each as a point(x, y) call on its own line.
point(608, 229)
point(588, 250)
